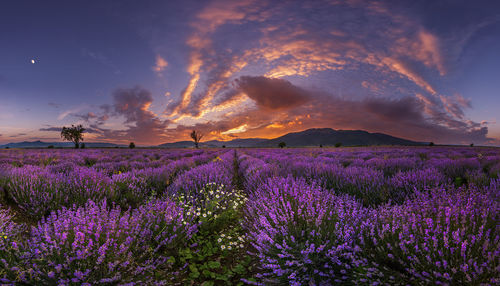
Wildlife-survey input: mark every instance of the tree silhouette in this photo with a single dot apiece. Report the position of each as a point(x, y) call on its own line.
point(73, 134)
point(131, 145)
point(196, 136)
point(282, 144)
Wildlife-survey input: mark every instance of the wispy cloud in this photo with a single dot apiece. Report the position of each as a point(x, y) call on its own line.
point(160, 65)
point(71, 111)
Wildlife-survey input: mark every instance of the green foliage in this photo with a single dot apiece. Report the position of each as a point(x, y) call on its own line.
point(131, 145)
point(73, 134)
point(220, 253)
point(423, 156)
point(338, 144)
point(89, 162)
point(459, 181)
point(282, 144)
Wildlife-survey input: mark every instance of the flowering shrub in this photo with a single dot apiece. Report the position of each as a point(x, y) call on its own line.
point(9, 249)
point(132, 188)
point(303, 235)
point(38, 191)
point(440, 238)
point(98, 244)
point(313, 216)
point(455, 168)
point(366, 184)
point(391, 166)
point(405, 184)
point(220, 243)
point(218, 171)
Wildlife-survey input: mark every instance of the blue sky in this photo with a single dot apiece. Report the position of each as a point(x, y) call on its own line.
point(151, 71)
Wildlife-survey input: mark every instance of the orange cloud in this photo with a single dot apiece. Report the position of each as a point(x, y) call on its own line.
point(401, 68)
point(160, 64)
point(239, 129)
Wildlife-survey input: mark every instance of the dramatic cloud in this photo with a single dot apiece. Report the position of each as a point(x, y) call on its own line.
point(272, 93)
point(282, 107)
point(296, 46)
point(132, 105)
point(258, 68)
point(299, 109)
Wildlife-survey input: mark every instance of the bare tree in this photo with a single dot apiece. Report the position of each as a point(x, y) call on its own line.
point(73, 134)
point(196, 138)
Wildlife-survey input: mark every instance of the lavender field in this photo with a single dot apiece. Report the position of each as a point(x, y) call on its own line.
point(324, 216)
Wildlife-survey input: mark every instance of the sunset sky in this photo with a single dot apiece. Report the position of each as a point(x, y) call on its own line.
point(151, 71)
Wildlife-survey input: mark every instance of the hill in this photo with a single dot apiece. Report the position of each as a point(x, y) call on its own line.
point(329, 137)
point(307, 138)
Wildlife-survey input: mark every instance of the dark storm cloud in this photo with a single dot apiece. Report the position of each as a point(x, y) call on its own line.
point(272, 93)
point(407, 117)
point(142, 125)
point(294, 109)
point(406, 109)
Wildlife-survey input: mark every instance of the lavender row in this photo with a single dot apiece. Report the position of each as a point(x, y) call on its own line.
point(305, 235)
point(373, 180)
point(360, 216)
point(38, 190)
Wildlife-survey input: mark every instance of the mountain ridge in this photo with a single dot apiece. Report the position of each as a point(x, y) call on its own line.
point(313, 137)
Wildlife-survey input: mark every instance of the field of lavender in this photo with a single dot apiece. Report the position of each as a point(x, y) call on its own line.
point(354, 216)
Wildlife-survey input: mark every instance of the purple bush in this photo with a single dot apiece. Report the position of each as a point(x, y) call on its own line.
point(100, 244)
point(38, 191)
point(445, 237)
point(218, 171)
point(405, 184)
point(298, 216)
point(303, 235)
point(10, 233)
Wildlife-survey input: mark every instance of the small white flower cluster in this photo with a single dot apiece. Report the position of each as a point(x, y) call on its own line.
point(212, 200)
point(228, 242)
